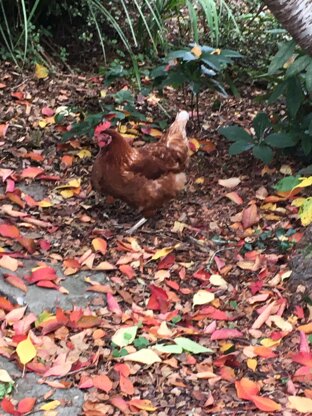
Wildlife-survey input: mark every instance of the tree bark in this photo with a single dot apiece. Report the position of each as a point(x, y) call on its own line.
point(296, 17)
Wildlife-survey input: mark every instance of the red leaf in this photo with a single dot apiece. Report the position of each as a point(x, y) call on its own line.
point(226, 334)
point(250, 216)
point(126, 385)
point(10, 231)
point(3, 129)
point(120, 403)
point(19, 95)
point(27, 243)
point(127, 270)
point(303, 358)
point(113, 305)
point(47, 111)
point(16, 282)
point(122, 369)
point(31, 172)
point(158, 299)
point(246, 388)
point(26, 405)
point(102, 382)
point(86, 382)
point(43, 273)
point(167, 262)
point(102, 127)
point(5, 304)
point(265, 404)
point(8, 407)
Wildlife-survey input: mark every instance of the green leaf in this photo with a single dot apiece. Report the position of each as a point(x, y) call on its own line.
point(284, 53)
point(239, 147)
point(263, 153)
point(298, 65)
point(141, 342)
point(280, 140)
point(261, 122)
point(287, 184)
point(306, 144)
point(235, 133)
point(308, 78)
point(294, 96)
point(277, 92)
point(185, 55)
point(169, 349)
point(191, 346)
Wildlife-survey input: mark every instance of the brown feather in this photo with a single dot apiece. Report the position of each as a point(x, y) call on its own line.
point(145, 177)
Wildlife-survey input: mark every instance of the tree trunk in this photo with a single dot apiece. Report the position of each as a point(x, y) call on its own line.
point(296, 17)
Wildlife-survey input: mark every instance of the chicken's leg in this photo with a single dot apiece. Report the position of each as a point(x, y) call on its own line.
point(136, 226)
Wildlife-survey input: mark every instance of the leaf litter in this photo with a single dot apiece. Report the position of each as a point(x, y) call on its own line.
point(192, 315)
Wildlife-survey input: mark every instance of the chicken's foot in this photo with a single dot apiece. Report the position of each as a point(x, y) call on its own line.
point(136, 226)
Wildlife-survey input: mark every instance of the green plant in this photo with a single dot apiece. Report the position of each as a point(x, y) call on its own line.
point(290, 72)
point(194, 70)
point(261, 143)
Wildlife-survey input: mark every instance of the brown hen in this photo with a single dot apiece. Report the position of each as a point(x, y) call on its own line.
point(145, 178)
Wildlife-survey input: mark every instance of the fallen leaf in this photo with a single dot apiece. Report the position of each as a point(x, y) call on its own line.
point(202, 297)
point(143, 356)
point(26, 351)
point(229, 183)
point(41, 71)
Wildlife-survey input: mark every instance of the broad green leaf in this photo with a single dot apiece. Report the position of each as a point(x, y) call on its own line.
point(263, 153)
point(124, 336)
point(277, 92)
point(298, 66)
point(294, 96)
point(280, 140)
point(284, 53)
point(239, 147)
point(191, 346)
point(235, 134)
point(287, 184)
point(169, 349)
point(306, 144)
point(305, 212)
point(308, 78)
point(260, 123)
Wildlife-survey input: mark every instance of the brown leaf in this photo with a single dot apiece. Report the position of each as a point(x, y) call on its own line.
point(250, 216)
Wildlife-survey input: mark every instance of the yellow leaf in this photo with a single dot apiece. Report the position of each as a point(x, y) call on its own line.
point(305, 212)
point(286, 170)
point(99, 244)
point(281, 323)
point(200, 180)
point(103, 93)
point(51, 405)
point(42, 124)
point(144, 356)
point(26, 351)
point(202, 297)
point(226, 346)
point(304, 182)
point(72, 183)
point(196, 51)
point(301, 404)
point(252, 363)
point(269, 207)
point(155, 133)
point(41, 71)
point(298, 202)
point(84, 153)
point(269, 342)
point(67, 193)
point(164, 252)
point(45, 203)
